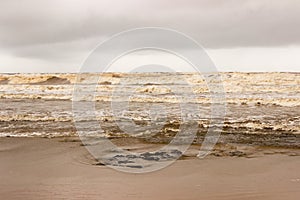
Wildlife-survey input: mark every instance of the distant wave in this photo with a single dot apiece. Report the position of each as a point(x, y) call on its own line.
point(241, 88)
point(54, 81)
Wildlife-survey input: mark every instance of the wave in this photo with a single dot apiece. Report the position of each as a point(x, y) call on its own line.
point(245, 89)
point(54, 81)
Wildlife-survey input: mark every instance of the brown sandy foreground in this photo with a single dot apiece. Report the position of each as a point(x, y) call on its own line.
point(40, 168)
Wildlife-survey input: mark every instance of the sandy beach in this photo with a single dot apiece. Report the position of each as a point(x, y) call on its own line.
point(41, 168)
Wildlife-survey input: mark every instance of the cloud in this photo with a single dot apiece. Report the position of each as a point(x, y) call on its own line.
point(226, 23)
point(59, 29)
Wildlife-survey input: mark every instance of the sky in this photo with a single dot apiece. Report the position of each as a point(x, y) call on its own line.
point(238, 35)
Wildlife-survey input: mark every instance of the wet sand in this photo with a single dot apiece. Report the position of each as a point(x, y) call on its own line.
point(41, 168)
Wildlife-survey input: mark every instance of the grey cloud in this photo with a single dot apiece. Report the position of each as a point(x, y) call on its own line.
point(47, 29)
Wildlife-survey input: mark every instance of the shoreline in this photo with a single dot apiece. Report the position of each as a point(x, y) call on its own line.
point(35, 168)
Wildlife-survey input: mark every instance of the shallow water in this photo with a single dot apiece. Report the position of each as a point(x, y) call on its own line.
point(264, 124)
point(261, 108)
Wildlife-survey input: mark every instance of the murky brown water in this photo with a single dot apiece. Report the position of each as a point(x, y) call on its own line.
point(261, 108)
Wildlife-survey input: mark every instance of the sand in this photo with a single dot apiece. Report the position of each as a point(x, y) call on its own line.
point(40, 168)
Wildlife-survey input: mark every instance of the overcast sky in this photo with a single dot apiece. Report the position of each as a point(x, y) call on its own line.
point(239, 35)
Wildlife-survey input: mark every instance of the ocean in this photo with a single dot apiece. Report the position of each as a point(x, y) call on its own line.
point(259, 108)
